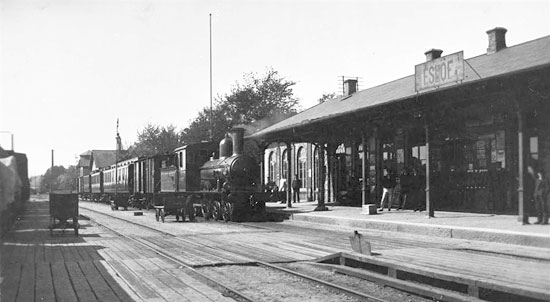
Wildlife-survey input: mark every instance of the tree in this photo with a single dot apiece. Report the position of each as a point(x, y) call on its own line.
point(260, 101)
point(199, 129)
point(67, 180)
point(50, 181)
point(326, 97)
point(154, 139)
point(259, 98)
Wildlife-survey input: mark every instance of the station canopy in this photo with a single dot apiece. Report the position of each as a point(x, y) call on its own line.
point(304, 126)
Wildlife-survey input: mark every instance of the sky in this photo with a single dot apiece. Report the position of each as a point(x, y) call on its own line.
point(70, 68)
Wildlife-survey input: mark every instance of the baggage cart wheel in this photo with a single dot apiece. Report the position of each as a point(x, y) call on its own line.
point(190, 211)
point(216, 210)
point(162, 215)
point(204, 211)
point(181, 212)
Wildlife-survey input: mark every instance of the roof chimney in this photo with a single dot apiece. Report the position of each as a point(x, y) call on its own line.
point(497, 39)
point(433, 54)
point(350, 87)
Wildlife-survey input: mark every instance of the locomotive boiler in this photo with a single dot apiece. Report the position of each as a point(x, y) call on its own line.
point(236, 176)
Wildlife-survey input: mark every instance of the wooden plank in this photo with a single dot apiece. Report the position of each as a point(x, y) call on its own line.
point(62, 283)
point(26, 282)
point(11, 273)
point(69, 253)
point(136, 283)
point(195, 290)
point(83, 290)
point(299, 253)
point(181, 289)
point(438, 272)
point(44, 289)
point(419, 289)
point(527, 272)
point(99, 286)
point(151, 276)
point(478, 266)
point(82, 252)
point(120, 288)
point(39, 253)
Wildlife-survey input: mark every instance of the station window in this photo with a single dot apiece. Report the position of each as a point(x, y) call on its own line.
point(284, 164)
point(534, 147)
point(271, 166)
point(419, 152)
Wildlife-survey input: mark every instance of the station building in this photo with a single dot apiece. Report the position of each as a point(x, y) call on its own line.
point(470, 126)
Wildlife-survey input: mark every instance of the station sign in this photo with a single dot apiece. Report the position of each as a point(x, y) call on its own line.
point(441, 71)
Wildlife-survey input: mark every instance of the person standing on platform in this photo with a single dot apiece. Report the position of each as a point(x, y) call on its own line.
point(283, 188)
point(540, 195)
point(296, 185)
point(406, 182)
point(529, 191)
point(388, 184)
point(417, 189)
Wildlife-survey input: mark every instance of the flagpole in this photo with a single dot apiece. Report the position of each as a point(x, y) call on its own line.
point(116, 161)
point(211, 134)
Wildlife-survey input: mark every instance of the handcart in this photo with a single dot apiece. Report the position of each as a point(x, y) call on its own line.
point(63, 206)
point(120, 201)
point(178, 206)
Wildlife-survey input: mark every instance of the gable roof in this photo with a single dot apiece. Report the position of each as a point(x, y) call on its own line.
point(103, 158)
point(529, 55)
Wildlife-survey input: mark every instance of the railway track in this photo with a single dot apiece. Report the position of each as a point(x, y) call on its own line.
point(223, 287)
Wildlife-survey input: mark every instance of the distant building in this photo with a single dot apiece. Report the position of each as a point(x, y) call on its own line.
point(92, 160)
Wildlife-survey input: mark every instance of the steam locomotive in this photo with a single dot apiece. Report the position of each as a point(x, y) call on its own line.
point(187, 182)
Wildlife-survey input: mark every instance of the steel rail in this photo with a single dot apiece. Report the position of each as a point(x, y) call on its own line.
point(172, 258)
point(337, 287)
point(258, 263)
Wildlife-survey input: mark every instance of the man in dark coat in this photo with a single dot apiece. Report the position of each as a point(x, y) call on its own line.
point(296, 185)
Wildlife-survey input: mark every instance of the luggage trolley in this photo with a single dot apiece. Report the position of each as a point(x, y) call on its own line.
point(178, 206)
point(63, 206)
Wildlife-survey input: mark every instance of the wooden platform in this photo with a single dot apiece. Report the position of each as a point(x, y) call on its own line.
point(96, 266)
point(100, 266)
point(476, 266)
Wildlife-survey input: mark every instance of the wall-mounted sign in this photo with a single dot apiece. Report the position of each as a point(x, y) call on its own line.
point(444, 70)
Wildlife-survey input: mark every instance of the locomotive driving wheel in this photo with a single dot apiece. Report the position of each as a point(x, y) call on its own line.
point(216, 210)
point(227, 211)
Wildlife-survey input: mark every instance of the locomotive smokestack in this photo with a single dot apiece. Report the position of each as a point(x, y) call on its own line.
point(238, 140)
